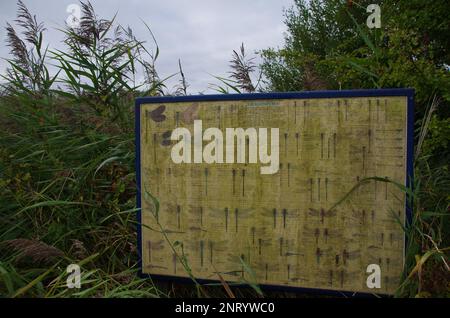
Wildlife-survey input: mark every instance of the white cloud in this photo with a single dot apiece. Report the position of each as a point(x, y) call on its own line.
point(202, 33)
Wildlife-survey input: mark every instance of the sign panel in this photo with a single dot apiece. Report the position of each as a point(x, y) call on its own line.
point(280, 189)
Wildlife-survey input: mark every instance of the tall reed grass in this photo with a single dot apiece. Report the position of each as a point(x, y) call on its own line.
point(67, 180)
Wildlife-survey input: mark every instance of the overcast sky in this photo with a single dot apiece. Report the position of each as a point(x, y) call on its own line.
point(202, 33)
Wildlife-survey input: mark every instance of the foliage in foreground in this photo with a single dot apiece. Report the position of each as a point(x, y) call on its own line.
point(67, 181)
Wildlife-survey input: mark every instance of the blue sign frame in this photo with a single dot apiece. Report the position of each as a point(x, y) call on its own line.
point(407, 92)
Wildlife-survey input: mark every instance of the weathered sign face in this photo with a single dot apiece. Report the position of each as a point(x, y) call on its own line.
point(276, 189)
